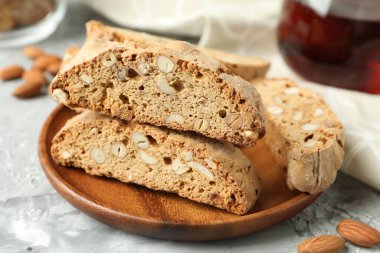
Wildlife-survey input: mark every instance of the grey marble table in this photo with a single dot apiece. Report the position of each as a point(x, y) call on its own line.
point(34, 218)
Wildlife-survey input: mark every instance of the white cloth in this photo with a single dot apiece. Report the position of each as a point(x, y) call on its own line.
point(248, 27)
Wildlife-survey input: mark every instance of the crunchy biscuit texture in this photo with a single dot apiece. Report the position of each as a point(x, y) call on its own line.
point(304, 134)
point(187, 164)
point(149, 84)
point(246, 67)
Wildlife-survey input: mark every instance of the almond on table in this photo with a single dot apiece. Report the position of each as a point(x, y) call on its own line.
point(27, 90)
point(54, 68)
point(42, 62)
point(34, 76)
point(11, 72)
point(33, 52)
point(321, 244)
point(358, 233)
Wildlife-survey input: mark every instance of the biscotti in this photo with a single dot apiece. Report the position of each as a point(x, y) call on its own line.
point(175, 86)
point(246, 67)
point(303, 133)
point(190, 165)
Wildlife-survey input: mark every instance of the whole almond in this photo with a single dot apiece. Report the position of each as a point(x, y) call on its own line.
point(33, 52)
point(11, 72)
point(54, 68)
point(44, 61)
point(321, 244)
point(358, 233)
point(27, 90)
point(34, 76)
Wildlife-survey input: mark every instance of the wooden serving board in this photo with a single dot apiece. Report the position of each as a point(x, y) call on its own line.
point(164, 215)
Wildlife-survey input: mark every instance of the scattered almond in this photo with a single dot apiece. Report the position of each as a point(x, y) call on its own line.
point(34, 76)
point(54, 68)
point(42, 62)
point(33, 52)
point(11, 72)
point(358, 233)
point(321, 244)
point(27, 90)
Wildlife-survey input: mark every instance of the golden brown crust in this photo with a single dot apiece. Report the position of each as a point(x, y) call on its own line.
point(303, 132)
point(201, 89)
point(246, 67)
point(88, 139)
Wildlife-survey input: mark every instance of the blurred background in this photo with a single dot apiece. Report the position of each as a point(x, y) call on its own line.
point(334, 42)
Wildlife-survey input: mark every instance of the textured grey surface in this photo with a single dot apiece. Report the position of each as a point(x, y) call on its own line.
point(34, 218)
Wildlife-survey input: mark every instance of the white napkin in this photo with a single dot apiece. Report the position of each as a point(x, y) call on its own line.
point(248, 27)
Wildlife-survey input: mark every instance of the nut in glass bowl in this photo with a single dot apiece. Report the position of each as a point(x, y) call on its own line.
point(24, 22)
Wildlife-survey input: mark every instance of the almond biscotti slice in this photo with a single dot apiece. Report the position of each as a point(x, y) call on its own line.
point(303, 132)
point(190, 165)
point(246, 67)
point(175, 86)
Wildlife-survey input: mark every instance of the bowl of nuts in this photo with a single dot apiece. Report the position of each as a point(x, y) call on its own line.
point(24, 22)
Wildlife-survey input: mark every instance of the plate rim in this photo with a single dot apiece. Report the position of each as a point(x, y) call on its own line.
point(77, 198)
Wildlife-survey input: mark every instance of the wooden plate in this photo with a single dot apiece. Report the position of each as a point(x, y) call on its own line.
point(163, 215)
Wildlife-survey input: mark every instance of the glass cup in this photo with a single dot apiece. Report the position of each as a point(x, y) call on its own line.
point(25, 22)
point(333, 42)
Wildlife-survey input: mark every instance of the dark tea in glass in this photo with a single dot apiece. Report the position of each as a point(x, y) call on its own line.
point(333, 42)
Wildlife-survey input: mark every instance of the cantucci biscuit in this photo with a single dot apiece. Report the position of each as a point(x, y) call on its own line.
point(190, 165)
point(303, 132)
point(175, 85)
point(246, 67)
